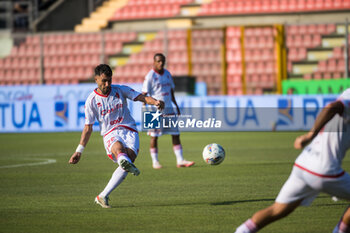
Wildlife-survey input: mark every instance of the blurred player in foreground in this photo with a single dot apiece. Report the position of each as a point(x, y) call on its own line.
point(317, 169)
point(160, 85)
point(108, 105)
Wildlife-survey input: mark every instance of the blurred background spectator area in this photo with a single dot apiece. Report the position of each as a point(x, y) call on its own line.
point(234, 47)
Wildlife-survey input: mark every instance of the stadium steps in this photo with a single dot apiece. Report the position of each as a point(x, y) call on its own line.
point(320, 58)
point(146, 36)
point(119, 60)
point(129, 48)
point(132, 47)
point(184, 19)
point(191, 9)
point(140, 63)
point(99, 18)
point(6, 43)
point(179, 23)
point(304, 67)
point(318, 54)
point(332, 41)
point(341, 29)
point(187, 11)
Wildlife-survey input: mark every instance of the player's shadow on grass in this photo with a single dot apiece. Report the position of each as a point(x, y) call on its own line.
point(273, 199)
point(200, 203)
point(240, 201)
point(230, 203)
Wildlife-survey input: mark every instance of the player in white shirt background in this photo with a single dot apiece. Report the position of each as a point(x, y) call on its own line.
point(159, 84)
point(108, 104)
point(317, 169)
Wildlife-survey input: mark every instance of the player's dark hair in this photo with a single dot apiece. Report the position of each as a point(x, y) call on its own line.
point(158, 55)
point(103, 69)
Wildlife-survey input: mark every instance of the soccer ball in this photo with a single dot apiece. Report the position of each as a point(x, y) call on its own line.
point(213, 154)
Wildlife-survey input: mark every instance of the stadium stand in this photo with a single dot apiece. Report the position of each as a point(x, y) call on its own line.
point(231, 60)
point(299, 38)
point(206, 58)
point(234, 61)
point(22, 66)
point(225, 7)
point(321, 49)
point(63, 52)
point(67, 57)
point(70, 58)
point(140, 58)
point(139, 9)
point(259, 60)
point(100, 17)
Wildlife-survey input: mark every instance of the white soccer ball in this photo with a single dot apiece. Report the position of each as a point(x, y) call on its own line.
point(213, 154)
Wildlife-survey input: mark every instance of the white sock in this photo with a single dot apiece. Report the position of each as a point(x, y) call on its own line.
point(117, 177)
point(121, 156)
point(178, 153)
point(247, 227)
point(154, 154)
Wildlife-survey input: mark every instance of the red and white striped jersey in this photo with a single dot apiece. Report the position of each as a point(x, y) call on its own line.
point(325, 153)
point(111, 110)
point(159, 87)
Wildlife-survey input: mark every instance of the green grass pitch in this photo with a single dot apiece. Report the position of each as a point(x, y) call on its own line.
point(59, 197)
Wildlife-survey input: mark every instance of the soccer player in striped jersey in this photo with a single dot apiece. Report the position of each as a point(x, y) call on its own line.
point(108, 104)
point(160, 85)
point(317, 169)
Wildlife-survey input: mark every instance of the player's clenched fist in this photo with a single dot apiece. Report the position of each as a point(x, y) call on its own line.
point(75, 158)
point(301, 141)
point(160, 104)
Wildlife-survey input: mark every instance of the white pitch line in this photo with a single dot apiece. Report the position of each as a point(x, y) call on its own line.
point(47, 161)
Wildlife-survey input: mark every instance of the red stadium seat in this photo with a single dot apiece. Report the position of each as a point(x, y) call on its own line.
point(322, 66)
point(332, 65)
point(337, 75)
point(340, 65)
point(316, 40)
point(307, 76)
point(327, 75)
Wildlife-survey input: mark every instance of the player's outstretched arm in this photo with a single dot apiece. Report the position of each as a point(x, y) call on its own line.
point(149, 100)
point(325, 115)
point(85, 136)
point(144, 94)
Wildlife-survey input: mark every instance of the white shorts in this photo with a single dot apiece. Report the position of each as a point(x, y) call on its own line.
point(303, 185)
point(129, 138)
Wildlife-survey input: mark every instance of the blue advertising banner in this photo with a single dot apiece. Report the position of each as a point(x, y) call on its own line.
point(49, 108)
point(242, 113)
point(58, 108)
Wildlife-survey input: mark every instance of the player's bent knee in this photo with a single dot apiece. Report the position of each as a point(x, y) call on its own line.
point(117, 148)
